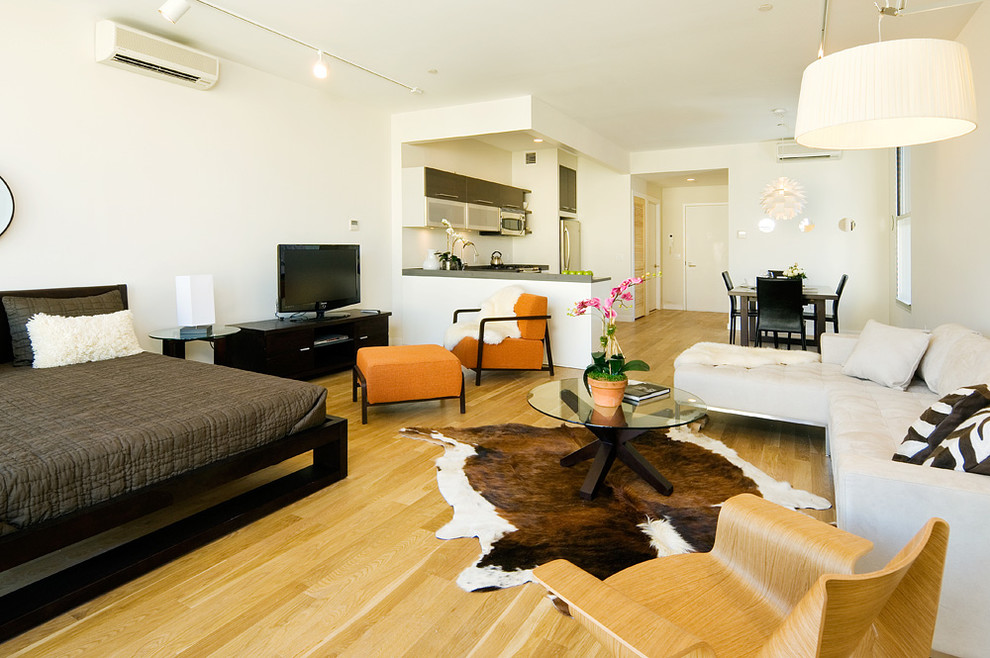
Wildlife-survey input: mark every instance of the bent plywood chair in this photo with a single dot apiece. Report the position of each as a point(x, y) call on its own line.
point(523, 353)
point(776, 583)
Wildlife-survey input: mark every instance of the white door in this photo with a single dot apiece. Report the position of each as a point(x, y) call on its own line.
point(706, 256)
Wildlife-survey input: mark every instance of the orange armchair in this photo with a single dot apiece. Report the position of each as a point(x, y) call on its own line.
point(523, 353)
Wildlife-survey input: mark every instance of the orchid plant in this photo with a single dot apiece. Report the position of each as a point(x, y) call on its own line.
point(610, 364)
point(453, 237)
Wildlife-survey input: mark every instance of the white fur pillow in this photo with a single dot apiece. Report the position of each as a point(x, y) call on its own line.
point(61, 341)
point(887, 355)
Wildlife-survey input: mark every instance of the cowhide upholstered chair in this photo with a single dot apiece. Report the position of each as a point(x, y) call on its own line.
point(777, 583)
point(524, 352)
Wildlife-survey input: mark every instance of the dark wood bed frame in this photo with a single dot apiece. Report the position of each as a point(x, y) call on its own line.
point(54, 594)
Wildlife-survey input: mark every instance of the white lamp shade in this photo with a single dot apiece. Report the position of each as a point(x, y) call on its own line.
point(886, 94)
point(194, 300)
point(173, 10)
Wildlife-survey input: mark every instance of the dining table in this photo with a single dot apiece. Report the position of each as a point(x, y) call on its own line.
point(812, 295)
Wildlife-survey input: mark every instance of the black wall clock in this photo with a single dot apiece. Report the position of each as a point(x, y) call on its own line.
point(6, 206)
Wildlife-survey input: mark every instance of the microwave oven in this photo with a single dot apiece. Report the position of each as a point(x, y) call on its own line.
point(512, 222)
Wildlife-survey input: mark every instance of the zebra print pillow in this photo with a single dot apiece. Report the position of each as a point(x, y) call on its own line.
point(967, 448)
point(939, 421)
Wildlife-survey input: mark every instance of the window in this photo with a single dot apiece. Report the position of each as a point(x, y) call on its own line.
point(902, 225)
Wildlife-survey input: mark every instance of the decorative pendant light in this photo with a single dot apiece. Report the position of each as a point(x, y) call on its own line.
point(886, 94)
point(782, 198)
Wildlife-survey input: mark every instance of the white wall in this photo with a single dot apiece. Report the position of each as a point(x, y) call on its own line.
point(949, 224)
point(605, 213)
point(468, 157)
point(854, 186)
point(121, 178)
point(542, 245)
point(672, 224)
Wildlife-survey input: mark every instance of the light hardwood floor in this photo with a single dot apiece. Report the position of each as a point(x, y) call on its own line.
point(355, 570)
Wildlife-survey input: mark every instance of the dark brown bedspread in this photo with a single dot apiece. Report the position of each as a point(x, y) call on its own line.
point(74, 436)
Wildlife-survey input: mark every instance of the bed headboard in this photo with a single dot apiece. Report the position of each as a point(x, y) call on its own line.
point(6, 353)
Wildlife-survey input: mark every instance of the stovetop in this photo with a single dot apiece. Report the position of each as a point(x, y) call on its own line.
point(510, 267)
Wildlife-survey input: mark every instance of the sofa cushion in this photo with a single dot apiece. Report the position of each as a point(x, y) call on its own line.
point(792, 392)
point(943, 341)
point(938, 421)
point(968, 363)
point(886, 355)
point(869, 420)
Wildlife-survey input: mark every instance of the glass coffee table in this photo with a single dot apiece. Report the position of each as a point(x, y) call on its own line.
point(569, 401)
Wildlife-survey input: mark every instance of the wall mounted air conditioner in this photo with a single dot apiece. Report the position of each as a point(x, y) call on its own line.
point(140, 52)
point(789, 150)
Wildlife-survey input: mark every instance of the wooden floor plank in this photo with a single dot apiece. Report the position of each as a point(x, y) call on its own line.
point(356, 570)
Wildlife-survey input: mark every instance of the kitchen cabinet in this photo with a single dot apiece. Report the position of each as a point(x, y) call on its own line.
point(511, 197)
point(420, 210)
point(431, 195)
point(438, 210)
point(568, 189)
point(483, 192)
point(483, 218)
point(445, 185)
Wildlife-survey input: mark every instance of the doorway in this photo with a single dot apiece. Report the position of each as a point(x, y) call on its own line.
point(706, 255)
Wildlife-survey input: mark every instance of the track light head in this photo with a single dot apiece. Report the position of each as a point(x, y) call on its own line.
point(173, 10)
point(320, 68)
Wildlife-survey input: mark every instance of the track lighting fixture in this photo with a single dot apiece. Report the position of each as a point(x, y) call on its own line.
point(320, 68)
point(173, 10)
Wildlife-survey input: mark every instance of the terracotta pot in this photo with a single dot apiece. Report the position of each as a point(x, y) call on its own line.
point(606, 393)
point(608, 416)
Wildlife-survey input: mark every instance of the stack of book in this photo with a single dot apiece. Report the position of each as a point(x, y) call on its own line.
point(637, 392)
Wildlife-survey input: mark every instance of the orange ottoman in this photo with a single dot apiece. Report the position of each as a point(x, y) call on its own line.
point(406, 373)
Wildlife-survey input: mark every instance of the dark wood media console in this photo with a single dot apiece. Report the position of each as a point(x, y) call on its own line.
point(303, 349)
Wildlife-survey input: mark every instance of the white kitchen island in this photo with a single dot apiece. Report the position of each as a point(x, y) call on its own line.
point(429, 298)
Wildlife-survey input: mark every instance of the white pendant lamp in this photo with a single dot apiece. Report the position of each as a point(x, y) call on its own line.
point(886, 94)
point(782, 198)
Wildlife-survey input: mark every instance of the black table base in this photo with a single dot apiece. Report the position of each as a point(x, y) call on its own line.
point(611, 443)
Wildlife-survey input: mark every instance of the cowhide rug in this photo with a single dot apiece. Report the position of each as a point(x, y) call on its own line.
point(507, 488)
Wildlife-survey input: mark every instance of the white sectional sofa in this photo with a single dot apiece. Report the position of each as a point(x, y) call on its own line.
point(876, 497)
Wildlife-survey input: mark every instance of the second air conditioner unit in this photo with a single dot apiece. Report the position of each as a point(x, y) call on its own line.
point(790, 150)
point(140, 52)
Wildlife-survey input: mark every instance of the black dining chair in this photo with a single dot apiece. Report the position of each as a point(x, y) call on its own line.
point(780, 308)
point(734, 311)
point(832, 317)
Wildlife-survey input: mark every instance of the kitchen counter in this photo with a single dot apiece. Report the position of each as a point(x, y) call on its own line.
point(429, 297)
point(483, 273)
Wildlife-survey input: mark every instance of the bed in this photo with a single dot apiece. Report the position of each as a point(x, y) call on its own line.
point(87, 447)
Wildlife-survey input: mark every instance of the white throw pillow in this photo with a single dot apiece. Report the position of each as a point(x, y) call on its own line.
point(887, 355)
point(62, 341)
point(942, 345)
point(968, 363)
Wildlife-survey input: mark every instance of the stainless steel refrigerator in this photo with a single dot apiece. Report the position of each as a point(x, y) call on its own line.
point(570, 244)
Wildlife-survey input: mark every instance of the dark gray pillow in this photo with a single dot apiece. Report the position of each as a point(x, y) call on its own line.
point(21, 309)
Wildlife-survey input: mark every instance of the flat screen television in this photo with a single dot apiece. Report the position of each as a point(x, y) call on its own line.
point(318, 277)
